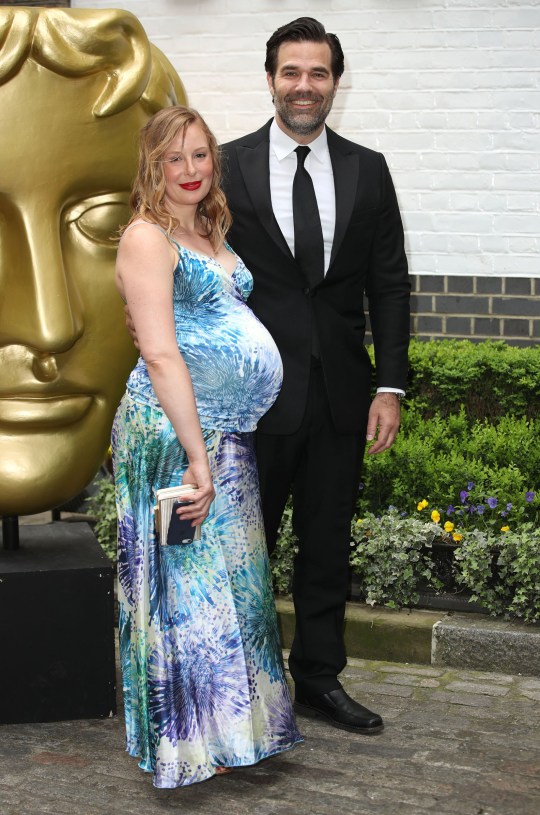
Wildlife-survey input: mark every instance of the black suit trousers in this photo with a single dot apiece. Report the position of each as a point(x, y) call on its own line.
point(323, 469)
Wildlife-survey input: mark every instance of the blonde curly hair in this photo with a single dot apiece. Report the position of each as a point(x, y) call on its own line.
point(147, 194)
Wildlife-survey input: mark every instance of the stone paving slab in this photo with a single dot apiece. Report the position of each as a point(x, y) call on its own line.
point(444, 750)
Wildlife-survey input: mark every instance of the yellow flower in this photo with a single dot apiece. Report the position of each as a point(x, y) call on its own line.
point(505, 529)
point(359, 521)
point(448, 526)
point(422, 505)
point(457, 537)
point(435, 516)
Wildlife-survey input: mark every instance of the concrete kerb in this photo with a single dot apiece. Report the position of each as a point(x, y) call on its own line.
point(438, 638)
point(485, 643)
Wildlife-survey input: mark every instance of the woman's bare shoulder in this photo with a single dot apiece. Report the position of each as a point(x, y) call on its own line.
point(141, 236)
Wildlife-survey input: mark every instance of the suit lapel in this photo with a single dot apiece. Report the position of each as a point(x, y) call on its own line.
point(345, 170)
point(253, 158)
point(254, 166)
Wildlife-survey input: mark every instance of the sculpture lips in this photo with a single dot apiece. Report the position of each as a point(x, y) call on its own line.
point(46, 412)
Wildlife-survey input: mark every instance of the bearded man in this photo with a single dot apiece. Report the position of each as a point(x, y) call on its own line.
point(316, 220)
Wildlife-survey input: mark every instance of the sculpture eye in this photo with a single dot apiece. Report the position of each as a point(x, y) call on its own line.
point(99, 218)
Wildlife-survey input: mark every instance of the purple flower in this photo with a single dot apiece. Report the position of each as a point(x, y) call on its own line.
point(361, 486)
point(480, 509)
point(509, 507)
point(470, 485)
point(403, 514)
point(463, 495)
point(472, 509)
point(450, 509)
point(529, 496)
point(504, 513)
point(492, 503)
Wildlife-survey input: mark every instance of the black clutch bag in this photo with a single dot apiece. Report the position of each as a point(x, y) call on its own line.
point(170, 528)
point(180, 530)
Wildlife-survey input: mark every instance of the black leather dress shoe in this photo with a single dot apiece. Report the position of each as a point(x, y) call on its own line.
point(340, 710)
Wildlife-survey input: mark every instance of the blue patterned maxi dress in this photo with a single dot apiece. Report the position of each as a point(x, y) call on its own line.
point(201, 659)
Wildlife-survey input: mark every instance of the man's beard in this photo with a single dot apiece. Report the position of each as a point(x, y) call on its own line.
point(303, 124)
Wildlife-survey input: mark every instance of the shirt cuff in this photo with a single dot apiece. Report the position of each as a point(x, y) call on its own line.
point(397, 391)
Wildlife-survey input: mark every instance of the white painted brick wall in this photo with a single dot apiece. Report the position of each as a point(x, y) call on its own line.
point(449, 90)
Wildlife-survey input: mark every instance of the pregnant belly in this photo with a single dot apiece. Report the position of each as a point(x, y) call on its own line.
point(236, 375)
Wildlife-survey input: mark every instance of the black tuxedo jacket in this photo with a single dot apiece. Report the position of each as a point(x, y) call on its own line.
point(367, 257)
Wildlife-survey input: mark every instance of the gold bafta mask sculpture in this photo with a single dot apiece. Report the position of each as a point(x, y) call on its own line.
point(75, 88)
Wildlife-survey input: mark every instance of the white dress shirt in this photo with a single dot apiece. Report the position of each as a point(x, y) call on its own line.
point(283, 163)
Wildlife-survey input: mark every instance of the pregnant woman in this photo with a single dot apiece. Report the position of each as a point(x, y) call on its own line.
point(204, 687)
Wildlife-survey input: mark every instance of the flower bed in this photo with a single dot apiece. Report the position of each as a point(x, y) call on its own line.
point(394, 554)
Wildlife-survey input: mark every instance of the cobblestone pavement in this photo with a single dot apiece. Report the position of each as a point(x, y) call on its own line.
point(456, 742)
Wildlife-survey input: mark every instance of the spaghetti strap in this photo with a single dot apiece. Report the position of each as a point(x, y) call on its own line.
point(172, 240)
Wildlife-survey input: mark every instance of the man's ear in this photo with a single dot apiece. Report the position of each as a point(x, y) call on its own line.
point(270, 80)
point(336, 85)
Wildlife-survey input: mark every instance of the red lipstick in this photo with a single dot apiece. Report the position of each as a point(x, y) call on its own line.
point(191, 185)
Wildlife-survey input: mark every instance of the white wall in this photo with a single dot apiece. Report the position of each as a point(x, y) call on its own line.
point(449, 90)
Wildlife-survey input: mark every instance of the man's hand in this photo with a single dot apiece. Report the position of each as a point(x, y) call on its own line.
point(383, 422)
point(131, 327)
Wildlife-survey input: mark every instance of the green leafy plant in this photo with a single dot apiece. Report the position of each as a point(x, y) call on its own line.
point(392, 554)
point(502, 571)
point(102, 506)
point(282, 558)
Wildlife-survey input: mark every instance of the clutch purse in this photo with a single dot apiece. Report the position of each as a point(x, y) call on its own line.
point(170, 528)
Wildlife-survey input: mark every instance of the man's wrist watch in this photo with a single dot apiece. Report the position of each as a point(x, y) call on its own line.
point(399, 395)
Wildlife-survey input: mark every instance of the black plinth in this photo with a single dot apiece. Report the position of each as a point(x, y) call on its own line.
point(56, 626)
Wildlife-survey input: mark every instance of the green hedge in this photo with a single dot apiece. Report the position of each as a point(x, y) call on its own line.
point(435, 459)
point(489, 379)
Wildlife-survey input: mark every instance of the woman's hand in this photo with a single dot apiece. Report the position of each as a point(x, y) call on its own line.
point(198, 474)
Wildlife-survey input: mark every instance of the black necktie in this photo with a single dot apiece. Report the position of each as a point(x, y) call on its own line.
point(308, 237)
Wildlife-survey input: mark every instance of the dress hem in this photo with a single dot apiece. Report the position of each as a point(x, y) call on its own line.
point(234, 766)
point(189, 783)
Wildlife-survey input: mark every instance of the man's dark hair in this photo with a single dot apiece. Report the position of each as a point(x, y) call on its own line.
point(304, 29)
